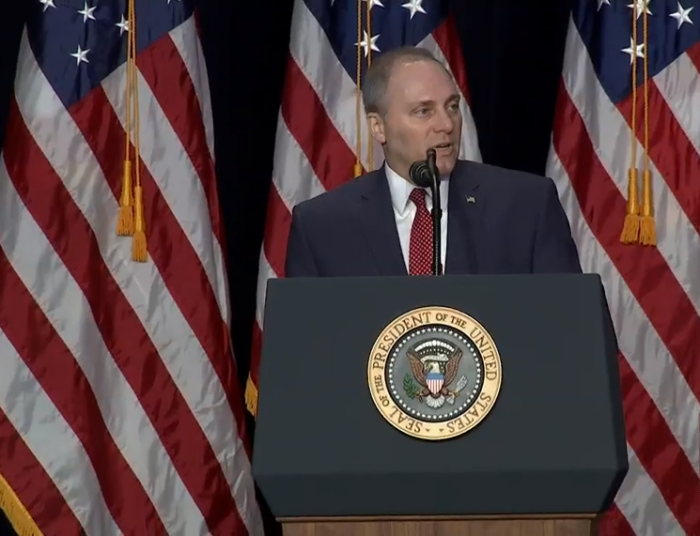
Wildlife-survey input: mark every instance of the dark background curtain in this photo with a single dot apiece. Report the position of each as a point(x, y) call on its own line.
point(513, 51)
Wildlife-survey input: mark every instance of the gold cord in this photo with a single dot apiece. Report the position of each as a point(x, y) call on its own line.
point(647, 231)
point(357, 168)
point(630, 229)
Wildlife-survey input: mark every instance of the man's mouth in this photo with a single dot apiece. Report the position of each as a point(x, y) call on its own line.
point(443, 146)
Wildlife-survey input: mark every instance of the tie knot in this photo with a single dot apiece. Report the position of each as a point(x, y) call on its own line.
point(418, 197)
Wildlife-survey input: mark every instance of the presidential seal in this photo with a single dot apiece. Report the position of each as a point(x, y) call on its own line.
point(434, 373)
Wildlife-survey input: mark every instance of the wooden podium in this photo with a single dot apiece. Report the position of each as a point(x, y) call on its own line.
point(578, 525)
point(546, 461)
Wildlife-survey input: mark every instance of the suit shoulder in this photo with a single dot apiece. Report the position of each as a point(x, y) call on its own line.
point(331, 201)
point(509, 180)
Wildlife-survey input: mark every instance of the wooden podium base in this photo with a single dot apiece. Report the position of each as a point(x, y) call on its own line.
point(559, 526)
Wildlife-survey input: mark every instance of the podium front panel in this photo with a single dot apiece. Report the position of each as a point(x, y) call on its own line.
point(553, 442)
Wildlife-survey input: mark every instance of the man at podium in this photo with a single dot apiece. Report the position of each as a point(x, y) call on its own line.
point(493, 221)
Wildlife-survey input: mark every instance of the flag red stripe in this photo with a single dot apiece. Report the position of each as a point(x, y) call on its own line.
point(176, 260)
point(674, 157)
point(694, 55)
point(310, 125)
point(661, 301)
point(277, 226)
point(28, 329)
point(163, 69)
point(613, 523)
point(28, 479)
point(447, 38)
point(122, 331)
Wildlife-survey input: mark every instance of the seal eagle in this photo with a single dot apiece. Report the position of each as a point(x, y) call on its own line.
point(429, 375)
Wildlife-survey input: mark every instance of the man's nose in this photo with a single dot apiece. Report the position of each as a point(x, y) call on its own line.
point(444, 122)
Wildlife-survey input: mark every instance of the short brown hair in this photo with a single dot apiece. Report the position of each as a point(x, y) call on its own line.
point(377, 77)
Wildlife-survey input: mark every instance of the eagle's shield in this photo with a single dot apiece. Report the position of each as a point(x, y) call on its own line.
point(434, 381)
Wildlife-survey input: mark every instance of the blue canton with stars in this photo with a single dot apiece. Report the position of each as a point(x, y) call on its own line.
point(78, 43)
point(606, 29)
point(394, 23)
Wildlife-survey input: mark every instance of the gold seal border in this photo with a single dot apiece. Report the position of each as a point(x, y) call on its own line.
point(423, 317)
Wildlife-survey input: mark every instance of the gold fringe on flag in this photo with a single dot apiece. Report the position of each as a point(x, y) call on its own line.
point(131, 220)
point(251, 397)
point(639, 225)
point(16, 513)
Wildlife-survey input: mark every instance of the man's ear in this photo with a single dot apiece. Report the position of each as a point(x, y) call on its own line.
point(376, 127)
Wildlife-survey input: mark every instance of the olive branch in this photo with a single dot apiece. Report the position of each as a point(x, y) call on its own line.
point(410, 387)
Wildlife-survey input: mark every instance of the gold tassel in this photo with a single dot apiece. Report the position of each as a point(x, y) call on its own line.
point(251, 397)
point(630, 229)
point(647, 235)
point(139, 250)
point(125, 221)
point(648, 225)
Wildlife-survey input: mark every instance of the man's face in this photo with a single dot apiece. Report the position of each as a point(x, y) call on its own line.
point(421, 112)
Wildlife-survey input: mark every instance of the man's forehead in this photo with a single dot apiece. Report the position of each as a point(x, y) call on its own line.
point(422, 81)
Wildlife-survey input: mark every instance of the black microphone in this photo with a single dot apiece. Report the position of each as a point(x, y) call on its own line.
point(424, 174)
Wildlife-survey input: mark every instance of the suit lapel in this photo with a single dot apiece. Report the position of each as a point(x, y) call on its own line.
point(376, 217)
point(465, 210)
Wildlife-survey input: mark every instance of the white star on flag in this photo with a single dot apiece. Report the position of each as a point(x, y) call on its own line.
point(80, 55)
point(414, 6)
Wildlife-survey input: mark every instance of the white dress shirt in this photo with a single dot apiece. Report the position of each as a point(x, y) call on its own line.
point(405, 210)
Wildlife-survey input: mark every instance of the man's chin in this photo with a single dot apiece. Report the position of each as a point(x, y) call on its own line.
point(445, 165)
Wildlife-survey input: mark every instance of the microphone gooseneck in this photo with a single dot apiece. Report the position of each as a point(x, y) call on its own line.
point(424, 174)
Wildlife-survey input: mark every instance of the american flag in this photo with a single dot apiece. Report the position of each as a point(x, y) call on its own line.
point(653, 291)
point(119, 407)
point(321, 131)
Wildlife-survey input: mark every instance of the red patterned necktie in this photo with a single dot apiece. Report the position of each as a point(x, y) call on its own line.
point(421, 250)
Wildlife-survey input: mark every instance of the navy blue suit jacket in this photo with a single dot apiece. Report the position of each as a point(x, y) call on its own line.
point(499, 222)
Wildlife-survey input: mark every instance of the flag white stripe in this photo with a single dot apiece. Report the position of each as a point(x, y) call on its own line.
point(69, 313)
point(293, 175)
point(189, 46)
point(679, 84)
point(53, 444)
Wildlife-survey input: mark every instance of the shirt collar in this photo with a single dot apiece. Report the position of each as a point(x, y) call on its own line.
point(401, 189)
